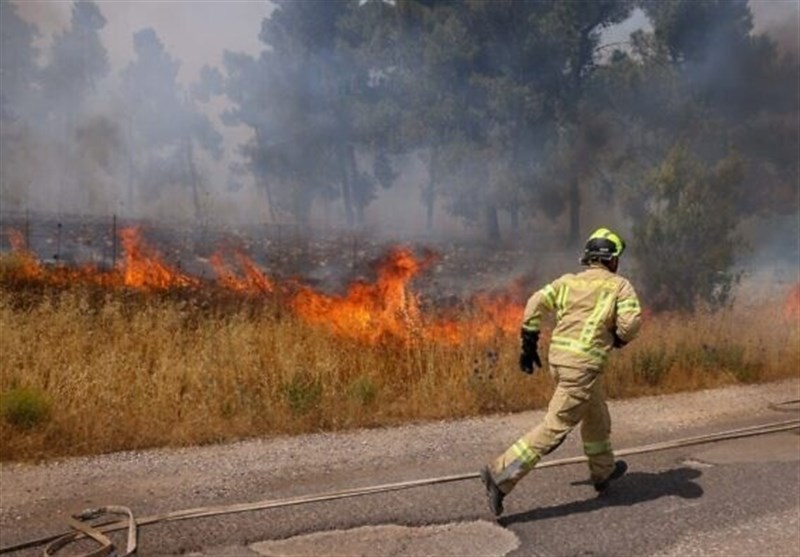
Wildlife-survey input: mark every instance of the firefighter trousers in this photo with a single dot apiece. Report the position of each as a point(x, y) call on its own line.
point(579, 398)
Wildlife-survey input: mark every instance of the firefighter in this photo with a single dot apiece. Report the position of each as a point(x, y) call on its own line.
point(595, 310)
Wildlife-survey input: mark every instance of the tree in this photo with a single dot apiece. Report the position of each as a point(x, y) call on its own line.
point(306, 98)
point(18, 70)
point(164, 124)
point(19, 76)
point(78, 61)
point(686, 245)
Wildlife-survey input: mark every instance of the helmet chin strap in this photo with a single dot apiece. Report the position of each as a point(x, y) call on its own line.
point(612, 263)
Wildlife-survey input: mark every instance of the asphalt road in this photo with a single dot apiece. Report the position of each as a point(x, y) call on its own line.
point(733, 498)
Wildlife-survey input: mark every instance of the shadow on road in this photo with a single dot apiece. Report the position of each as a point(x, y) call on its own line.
point(631, 489)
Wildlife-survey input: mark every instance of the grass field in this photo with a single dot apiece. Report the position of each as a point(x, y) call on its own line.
point(90, 369)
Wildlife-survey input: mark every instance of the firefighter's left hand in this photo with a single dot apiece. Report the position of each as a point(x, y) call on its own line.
point(529, 356)
point(527, 361)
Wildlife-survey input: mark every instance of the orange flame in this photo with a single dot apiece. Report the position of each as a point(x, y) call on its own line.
point(490, 314)
point(143, 267)
point(369, 311)
point(28, 266)
point(791, 308)
point(254, 280)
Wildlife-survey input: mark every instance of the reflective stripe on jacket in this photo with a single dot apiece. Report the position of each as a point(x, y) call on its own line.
point(589, 308)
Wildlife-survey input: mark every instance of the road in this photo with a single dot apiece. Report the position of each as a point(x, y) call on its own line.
point(738, 497)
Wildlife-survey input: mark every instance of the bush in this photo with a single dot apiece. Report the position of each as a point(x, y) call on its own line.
point(25, 408)
point(363, 390)
point(685, 238)
point(651, 364)
point(302, 392)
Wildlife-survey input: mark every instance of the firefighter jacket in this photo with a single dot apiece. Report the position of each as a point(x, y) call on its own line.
point(590, 308)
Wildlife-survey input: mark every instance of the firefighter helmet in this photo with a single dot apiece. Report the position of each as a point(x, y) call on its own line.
point(602, 245)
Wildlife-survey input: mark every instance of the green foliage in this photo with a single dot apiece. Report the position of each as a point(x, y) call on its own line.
point(686, 242)
point(729, 358)
point(363, 390)
point(652, 364)
point(24, 408)
point(302, 392)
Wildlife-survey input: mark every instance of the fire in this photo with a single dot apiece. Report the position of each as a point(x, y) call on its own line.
point(254, 280)
point(791, 308)
point(491, 314)
point(143, 267)
point(369, 312)
point(28, 264)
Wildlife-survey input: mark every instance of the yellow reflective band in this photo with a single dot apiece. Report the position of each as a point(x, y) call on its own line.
point(601, 307)
point(628, 306)
point(532, 325)
point(570, 345)
point(527, 456)
point(594, 448)
point(608, 284)
point(561, 303)
point(549, 294)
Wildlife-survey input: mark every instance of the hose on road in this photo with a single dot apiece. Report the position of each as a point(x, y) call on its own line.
point(82, 528)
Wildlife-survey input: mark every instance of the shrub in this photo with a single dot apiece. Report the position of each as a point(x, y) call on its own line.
point(685, 236)
point(363, 390)
point(302, 392)
point(24, 407)
point(651, 364)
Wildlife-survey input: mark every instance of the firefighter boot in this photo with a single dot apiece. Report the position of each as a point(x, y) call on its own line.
point(493, 493)
point(620, 467)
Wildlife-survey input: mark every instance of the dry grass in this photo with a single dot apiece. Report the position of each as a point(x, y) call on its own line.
point(121, 370)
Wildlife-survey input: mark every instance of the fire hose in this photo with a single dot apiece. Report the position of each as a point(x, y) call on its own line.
point(82, 528)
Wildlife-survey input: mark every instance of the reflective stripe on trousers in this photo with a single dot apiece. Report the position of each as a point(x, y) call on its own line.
point(579, 398)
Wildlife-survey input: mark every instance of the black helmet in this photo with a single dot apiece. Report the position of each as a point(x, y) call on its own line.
point(602, 245)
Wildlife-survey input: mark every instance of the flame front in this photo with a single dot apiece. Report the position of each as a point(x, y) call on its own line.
point(254, 280)
point(144, 268)
point(28, 264)
point(369, 312)
point(791, 308)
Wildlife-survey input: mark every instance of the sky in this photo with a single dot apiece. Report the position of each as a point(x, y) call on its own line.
point(197, 32)
point(194, 32)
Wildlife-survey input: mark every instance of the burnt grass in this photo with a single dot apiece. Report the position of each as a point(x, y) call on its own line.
point(324, 259)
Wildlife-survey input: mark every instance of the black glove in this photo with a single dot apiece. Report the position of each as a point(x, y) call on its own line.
point(530, 351)
point(618, 342)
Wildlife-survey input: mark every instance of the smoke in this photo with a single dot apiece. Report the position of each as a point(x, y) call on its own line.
point(111, 149)
point(780, 21)
point(67, 141)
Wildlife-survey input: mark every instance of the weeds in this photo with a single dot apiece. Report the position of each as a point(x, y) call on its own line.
point(303, 392)
point(182, 370)
point(24, 408)
point(363, 390)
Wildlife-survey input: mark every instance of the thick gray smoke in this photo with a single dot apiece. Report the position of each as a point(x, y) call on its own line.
point(119, 108)
point(99, 117)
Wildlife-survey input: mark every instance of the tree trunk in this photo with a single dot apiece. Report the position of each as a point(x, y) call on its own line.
point(193, 179)
point(492, 224)
point(574, 213)
point(429, 192)
point(131, 167)
point(347, 190)
point(263, 182)
point(514, 214)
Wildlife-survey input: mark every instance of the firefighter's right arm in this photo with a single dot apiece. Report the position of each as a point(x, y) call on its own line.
point(543, 301)
point(629, 314)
